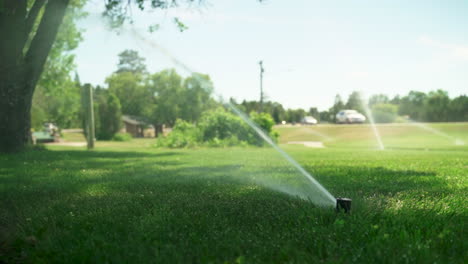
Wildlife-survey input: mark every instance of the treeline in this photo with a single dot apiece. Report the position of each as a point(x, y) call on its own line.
point(435, 106)
point(164, 97)
point(157, 99)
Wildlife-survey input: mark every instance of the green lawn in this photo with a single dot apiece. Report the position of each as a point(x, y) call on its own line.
point(127, 202)
point(394, 136)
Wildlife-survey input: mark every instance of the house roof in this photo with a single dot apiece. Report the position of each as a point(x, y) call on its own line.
point(134, 120)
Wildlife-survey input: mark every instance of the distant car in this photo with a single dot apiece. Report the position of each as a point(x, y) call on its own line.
point(309, 120)
point(349, 116)
point(49, 133)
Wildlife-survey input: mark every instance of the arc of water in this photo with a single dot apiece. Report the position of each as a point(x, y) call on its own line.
point(372, 122)
point(457, 141)
point(244, 117)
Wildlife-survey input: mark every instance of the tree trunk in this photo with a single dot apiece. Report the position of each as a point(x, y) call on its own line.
point(158, 130)
point(20, 70)
point(15, 117)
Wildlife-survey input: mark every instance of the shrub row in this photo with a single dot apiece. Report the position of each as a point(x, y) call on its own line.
point(218, 128)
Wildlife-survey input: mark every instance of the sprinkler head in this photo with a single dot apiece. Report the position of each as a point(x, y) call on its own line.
point(343, 204)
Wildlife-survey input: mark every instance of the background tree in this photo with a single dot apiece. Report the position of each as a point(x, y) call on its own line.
point(197, 90)
point(458, 109)
point(313, 111)
point(413, 105)
point(110, 115)
point(436, 106)
point(378, 99)
point(132, 92)
point(56, 97)
point(325, 116)
point(167, 90)
point(130, 61)
point(384, 113)
point(337, 106)
point(29, 29)
point(355, 102)
point(277, 112)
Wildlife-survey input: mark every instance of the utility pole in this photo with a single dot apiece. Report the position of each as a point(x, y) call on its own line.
point(261, 85)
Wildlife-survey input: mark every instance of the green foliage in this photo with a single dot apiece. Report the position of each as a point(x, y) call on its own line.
point(183, 134)
point(122, 137)
point(181, 26)
point(196, 97)
point(354, 102)
point(110, 115)
point(177, 98)
point(384, 113)
point(129, 87)
point(413, 105)
point(56, 97)
point(222, 125)
point(263, 120)
point(436, 106)
point(378, 99)
point(217, 128)
point(275, 109)
point(458, 109)
point(130, 61)
point(166, 88)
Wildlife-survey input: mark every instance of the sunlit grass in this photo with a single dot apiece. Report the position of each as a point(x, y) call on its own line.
point(129, 202)
point(401, 136)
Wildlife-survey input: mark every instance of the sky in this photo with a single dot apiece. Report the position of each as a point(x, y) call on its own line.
point(311, 49)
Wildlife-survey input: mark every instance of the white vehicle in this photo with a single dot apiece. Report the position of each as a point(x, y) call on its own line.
point(309, 120)
point(349, 116)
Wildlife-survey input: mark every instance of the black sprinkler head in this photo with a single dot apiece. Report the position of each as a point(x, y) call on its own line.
point(343, 204)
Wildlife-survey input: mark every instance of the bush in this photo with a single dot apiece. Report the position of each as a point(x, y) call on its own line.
point(217, 128)
point(122, 137)
point(264, 120)
point(221, 125)
point(183, 135)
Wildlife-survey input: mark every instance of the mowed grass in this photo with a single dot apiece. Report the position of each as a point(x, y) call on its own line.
point(420, 136)
point(131, 203)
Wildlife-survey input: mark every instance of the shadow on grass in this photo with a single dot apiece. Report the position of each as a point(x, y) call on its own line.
point(79, 206)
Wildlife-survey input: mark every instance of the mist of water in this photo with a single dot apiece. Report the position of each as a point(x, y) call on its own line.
point(319, 195)
point(456, 141)
point(315, 132)
point(371, 121)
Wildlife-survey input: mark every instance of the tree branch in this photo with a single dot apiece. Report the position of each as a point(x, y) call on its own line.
point(32, 15)
point(30, 20)
point(42, 42)
point(12, 13)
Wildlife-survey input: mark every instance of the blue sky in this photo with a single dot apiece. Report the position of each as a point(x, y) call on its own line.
point(312, 50)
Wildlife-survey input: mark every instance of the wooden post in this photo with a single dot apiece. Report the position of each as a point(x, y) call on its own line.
point(89, 119)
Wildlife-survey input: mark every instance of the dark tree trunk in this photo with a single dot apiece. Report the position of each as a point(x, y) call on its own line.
point(158, 130)
point(15, 115)
point(22, 58)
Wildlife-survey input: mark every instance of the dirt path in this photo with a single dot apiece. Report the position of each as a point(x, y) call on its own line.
point(309, 144)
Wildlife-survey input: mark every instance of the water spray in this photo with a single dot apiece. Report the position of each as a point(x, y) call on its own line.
point(326, 200)
point(456, 141)
point(371, 120)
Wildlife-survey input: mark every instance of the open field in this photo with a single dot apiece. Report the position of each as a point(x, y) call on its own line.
point(129, 202)
point(394, 136)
